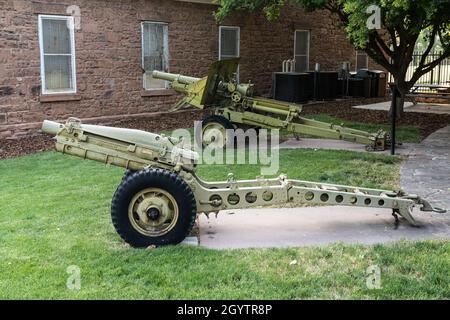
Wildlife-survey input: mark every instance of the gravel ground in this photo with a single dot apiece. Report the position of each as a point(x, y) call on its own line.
point(427, 123)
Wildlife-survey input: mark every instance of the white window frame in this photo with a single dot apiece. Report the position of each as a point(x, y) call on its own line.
point(307, 47)
point(238, 29)
point(166, 83)
point(69, 19)
point(360, 53)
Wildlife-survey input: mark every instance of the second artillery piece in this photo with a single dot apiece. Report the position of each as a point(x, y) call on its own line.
point(235, 104)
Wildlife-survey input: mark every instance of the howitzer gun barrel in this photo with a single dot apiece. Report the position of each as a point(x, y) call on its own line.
point(128, 148)
point(174, 77)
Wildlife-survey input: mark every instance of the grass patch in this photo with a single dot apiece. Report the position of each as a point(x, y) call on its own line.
point(405, 133)
point(54, 213)
point(369, 170)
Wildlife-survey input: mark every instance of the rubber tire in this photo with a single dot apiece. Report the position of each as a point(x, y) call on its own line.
point(218, 119)
point(153, 178)
point(127, 173)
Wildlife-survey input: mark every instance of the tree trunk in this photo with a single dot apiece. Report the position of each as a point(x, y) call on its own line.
point(400, 104)
point(402, 91)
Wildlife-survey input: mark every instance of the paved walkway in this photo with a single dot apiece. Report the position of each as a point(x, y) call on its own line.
point(427, 171)
point(299, 227)
point(410, 107)
point(312, 143)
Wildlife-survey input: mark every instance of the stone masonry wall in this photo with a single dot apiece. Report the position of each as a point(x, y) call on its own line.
point(108, 55)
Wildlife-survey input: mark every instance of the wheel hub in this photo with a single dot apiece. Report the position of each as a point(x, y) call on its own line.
point(153, 212)
point(214, 134)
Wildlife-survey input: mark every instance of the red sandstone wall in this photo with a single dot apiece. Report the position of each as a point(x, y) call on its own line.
point(108, 54)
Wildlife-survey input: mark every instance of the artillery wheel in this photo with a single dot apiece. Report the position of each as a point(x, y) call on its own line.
point(388, 140)
point(214, 132)
point(127, 173)
point(153, 207)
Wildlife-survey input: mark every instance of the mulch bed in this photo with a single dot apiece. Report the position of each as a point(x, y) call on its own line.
point(159, 123)
point(23, 146)
point(427, 123)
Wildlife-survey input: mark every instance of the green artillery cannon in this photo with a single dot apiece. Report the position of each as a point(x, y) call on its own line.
point(160, 195)
point(235, 104)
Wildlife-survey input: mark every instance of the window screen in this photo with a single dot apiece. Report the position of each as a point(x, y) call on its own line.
point(57, 54)
point(229, 43)
point(301, 50)
point(362, 60)
point(155, 53)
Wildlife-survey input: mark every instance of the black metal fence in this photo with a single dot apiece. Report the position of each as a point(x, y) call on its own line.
point(440, 75)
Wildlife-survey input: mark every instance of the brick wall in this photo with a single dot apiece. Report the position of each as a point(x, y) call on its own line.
point(108, 54)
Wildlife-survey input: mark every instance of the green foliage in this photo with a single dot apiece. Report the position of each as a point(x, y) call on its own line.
point(270, 7)
point(411, 16)
point(403, 22)
point(405, 16)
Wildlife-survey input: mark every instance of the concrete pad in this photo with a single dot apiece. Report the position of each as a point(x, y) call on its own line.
point(330, 144)
point(409, 107)
point(191, 241)
point(381, 106)
point(298, 227)
point(427, 171)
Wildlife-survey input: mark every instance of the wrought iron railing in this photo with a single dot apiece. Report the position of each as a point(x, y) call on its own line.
point(440, 75)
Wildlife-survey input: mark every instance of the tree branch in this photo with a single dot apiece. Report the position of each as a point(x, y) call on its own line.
point(376, 53)
point(418, 73)
point(430, 46)
point(336, 8)
point(406, 50)
point(383, 45)
point(393, 37)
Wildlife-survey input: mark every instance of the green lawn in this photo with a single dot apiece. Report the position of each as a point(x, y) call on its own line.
point(370, 170)
point(54, 213)
point(404, 133)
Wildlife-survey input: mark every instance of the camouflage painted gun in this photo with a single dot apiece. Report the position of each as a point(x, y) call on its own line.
point(160, 195)
point(234, 104)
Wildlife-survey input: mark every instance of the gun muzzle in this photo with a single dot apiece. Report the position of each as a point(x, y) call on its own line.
point(51, 127)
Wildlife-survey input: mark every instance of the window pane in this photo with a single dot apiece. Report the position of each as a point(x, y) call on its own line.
point(153, 63)
point(154, 47)
point(152, 83)
point(301, 63)
point(56, 36)
point(155, 53)
point(58, 73)
point(362, 61)
point(301, 42)
point(229, 42)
